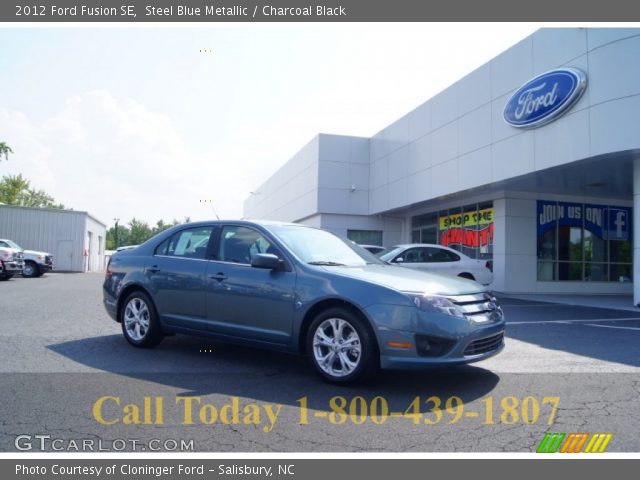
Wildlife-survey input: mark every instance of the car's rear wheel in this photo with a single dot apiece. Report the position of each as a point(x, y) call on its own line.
point(341, 346)
point(139, 320)
point(30, 269)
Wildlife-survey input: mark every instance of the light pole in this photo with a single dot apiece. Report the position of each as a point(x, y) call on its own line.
point(116, 232)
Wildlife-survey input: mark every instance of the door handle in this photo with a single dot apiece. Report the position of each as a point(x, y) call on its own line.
point(218, 276)
point(154, 269)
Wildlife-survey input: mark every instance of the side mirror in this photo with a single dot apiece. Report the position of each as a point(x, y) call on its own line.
point(399, 260)
point(266, 260)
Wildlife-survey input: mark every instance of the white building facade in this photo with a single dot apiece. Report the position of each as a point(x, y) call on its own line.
point(75, 239)
point(552, 205)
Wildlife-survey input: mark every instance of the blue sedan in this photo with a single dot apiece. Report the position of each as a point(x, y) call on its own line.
point(299, 289)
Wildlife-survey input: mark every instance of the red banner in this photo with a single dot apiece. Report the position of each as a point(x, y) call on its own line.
point(467, 237)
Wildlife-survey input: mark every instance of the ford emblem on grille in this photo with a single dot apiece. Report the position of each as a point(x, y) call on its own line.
point(545, 98)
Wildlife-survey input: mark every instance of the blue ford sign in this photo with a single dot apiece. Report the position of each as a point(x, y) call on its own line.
point(545, 98)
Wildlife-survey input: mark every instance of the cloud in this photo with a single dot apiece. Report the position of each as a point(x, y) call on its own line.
point(116, 158)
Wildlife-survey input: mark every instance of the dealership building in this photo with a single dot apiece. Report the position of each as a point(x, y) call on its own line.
point(531, 161)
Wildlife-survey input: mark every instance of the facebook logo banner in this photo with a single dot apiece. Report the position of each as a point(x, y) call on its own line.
point(619, 224)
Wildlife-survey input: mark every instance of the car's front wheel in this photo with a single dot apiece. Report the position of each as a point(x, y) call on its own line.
point(341, 346)
point(30, 269)
point(139, 320)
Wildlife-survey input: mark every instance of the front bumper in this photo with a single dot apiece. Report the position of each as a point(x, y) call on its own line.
point(12, 267)
point(45, 267)
point(456, 356)
point(456, 340)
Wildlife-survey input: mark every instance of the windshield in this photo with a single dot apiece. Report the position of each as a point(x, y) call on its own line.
point(389, 254)
point(12, 244)
point(318, 247)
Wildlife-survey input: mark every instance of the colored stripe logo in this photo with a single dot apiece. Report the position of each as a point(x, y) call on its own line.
point(554, 442)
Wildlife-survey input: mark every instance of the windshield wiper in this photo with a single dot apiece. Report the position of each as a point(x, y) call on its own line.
point(326, 263)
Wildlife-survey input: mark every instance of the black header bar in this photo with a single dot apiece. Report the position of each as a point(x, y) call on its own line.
point(131, 11)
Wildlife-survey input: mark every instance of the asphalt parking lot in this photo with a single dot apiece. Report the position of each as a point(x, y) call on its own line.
point(61, 354)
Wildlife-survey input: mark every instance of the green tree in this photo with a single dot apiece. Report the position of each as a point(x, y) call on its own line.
point(5, 150)
point(123, 237)
point(16, 190)
point(137, 232)
point(161, 226)
point(12, 187)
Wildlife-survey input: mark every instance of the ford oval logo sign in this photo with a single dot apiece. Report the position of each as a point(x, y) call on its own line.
point(545, 98)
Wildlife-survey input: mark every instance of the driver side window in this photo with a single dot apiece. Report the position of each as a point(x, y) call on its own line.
point(413, 255)
point(241, 244)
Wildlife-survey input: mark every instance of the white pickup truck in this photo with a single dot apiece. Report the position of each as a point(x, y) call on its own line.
point(29, 263)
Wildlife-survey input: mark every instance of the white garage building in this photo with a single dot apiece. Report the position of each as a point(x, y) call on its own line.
point(531, 161)
point(76, 239)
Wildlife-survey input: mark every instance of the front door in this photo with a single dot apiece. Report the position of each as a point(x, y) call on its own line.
point(247, 302)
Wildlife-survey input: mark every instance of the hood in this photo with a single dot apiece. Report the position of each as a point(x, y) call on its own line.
point(35, 252)
point(410, 280)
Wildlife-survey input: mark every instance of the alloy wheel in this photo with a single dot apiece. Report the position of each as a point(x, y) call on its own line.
point(337, 348)
point(136, 319)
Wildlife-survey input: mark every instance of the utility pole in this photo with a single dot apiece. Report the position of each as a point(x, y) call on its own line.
point(116, 232)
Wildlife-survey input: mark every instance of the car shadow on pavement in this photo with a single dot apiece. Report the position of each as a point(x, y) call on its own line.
point(196, 367)
point(601, 334)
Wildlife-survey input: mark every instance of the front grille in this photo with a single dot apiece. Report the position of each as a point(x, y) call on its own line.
point(478, 307)
point(48, 259)
point(484, 345)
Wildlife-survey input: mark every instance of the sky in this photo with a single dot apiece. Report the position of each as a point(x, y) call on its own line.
point(149, 122)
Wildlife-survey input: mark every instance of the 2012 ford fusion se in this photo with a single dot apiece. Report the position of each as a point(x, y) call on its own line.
point(300, 289)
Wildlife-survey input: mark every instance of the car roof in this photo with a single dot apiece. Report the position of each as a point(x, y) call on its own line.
point(270, 223)
point(244, 221)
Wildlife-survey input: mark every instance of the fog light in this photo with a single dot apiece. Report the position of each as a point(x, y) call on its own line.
point(429, 346)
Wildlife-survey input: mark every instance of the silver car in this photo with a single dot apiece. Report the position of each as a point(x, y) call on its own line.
point(439, 259)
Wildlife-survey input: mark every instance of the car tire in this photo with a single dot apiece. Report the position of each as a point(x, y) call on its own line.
point(5, 277)
point(329, 352)
point(139, 319)
point(30, 269)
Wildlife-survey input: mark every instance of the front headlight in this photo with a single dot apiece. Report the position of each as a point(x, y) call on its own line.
point(437, 304)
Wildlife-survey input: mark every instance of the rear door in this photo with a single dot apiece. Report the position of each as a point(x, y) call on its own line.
point(177, 277)
point(441, 260)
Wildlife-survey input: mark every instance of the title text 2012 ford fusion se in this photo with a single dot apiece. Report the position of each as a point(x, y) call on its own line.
point(299, 289)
